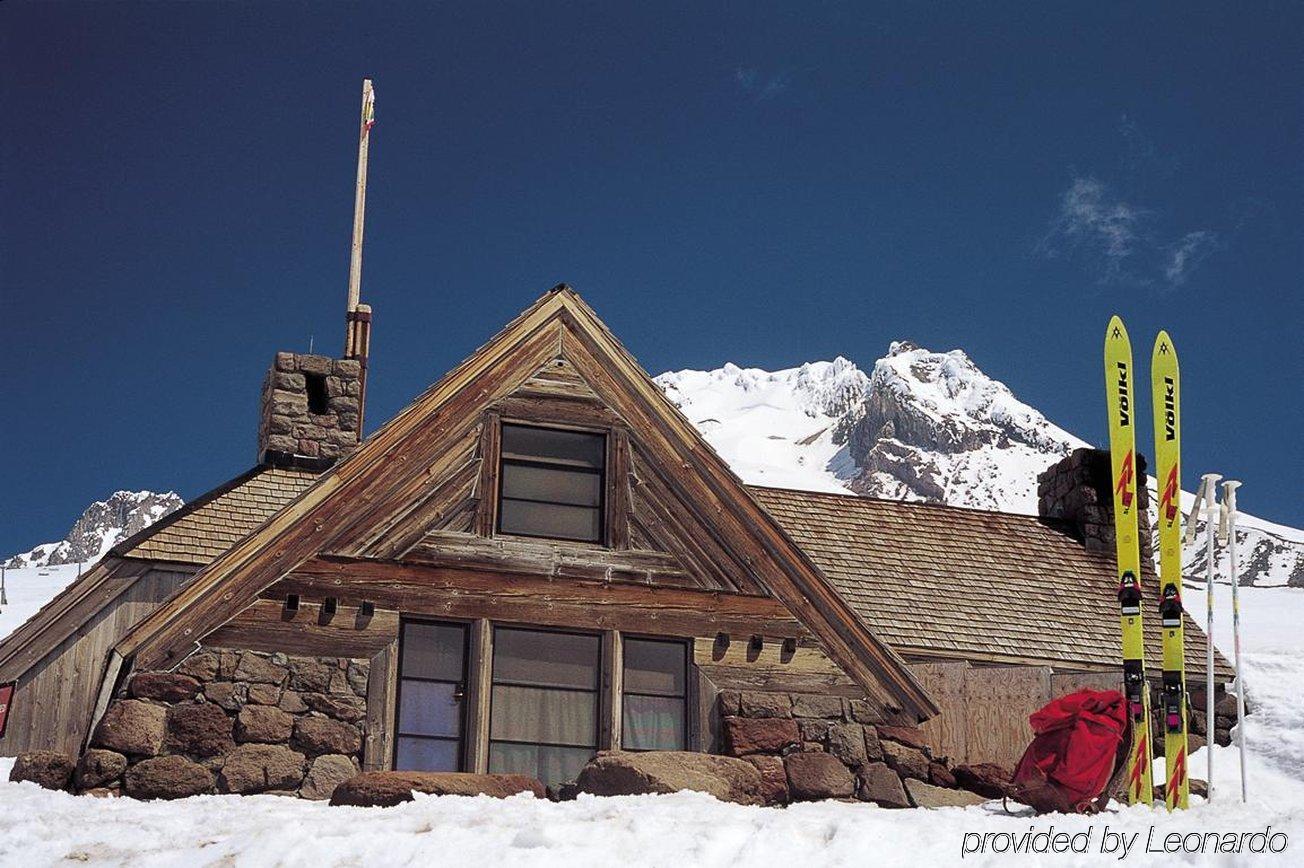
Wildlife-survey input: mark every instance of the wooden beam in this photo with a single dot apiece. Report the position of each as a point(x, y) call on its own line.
point(108, 684)
point(444, 500)
point(519, 555)
point(445, 592)
point(382, 717)
point(265, 626)
point(618, 496)
point(613, 684)
point(68, 612)
point(479, 687)
point(550, 411)
point(486, 514)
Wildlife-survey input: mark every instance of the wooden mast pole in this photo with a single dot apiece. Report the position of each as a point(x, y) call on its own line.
point(360, 198)
point(357, 334)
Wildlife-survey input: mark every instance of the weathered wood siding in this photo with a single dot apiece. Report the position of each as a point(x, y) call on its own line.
point(52, 706)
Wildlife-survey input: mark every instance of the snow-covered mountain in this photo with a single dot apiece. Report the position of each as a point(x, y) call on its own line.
point(920, 425)
point(101, 526)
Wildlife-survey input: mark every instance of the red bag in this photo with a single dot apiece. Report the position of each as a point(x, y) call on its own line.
point(1073, 753)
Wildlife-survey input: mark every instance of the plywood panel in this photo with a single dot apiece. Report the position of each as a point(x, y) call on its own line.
point(998, 701)
point(948, 731)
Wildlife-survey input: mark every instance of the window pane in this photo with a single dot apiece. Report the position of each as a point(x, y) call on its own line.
point(552, 484)
point(538, 715)
point(426, 755)
point(549, 444)
point(654, 667)
point(433, 650)
point(546, 659)
point(653, 723)
point(552, 765)
point(429, 708)
point(543, 519)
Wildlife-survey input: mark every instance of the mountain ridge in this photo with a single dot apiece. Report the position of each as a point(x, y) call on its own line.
point(100, 527)
point(921, 426)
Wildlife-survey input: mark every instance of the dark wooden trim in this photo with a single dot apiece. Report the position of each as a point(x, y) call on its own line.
point(450, 496)
point(538, 557)
point(610, 701)
point(491, 438)
point(521, 599)
point(550, 411)
point(617, 497)
point(382, 710)
point(265, 626)
point(479, 687)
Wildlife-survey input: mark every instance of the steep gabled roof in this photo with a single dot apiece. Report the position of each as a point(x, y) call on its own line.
point(939, 580)
point(381, 478)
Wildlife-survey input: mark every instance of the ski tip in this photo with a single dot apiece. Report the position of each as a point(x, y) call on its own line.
point(1164, 345)
point(1115, 330)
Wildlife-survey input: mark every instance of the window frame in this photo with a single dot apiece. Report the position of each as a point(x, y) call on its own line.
point(685, 697)
point(600, 688)
point(464, 735)
point(602, 473)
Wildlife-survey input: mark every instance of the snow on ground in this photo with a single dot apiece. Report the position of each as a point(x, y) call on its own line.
point(29, 588)
point(38, 827)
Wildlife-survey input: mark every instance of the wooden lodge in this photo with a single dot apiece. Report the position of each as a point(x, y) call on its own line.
point(539, 559)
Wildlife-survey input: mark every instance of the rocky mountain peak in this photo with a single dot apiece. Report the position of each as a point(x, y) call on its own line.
point(921, 425)
point(101, 526)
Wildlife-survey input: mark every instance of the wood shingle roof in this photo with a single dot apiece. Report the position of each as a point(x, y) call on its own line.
point(945, 581)
point(208, 526)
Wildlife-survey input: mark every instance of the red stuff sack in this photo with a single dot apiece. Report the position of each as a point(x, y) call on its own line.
point(1075, 747)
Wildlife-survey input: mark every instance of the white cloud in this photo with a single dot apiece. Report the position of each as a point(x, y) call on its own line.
point(1116, 239)
point(1098, 223)
point(1188, 253)
point(758, 86)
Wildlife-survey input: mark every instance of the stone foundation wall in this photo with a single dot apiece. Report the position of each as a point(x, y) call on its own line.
point(824, 747)
point(1197, 721)
point(231, 722)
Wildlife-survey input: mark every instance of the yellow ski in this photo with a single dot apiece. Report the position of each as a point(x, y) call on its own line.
point(1122, 457)
point(1166, 386)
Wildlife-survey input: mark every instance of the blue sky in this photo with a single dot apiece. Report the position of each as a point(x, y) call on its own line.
point(757, 183)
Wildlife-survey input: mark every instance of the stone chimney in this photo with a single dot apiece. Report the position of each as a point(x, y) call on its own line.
point(310, 411)
point(1078, 489)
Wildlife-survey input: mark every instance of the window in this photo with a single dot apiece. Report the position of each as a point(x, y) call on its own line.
point(432, 675)
point(654, 712)
point(543, 713)
point(551, 483)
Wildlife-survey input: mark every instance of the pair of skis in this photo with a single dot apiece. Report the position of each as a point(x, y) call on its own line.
point(1166, 393)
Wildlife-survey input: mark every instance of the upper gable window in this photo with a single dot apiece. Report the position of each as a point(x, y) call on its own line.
point(551, 483)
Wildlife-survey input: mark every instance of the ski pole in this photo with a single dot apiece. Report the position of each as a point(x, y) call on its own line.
point(1210, 482)
point(1229, 501)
